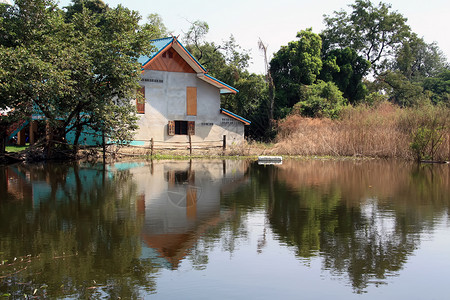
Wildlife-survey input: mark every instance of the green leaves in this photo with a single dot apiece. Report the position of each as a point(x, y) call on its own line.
point(439, 86)
point(72, 68)
point(346, 69)
point(374, 32)
point(323, 99)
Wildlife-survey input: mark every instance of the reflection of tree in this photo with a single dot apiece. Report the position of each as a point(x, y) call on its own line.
point(363, 219)
point(368, 241)
point(82, 238)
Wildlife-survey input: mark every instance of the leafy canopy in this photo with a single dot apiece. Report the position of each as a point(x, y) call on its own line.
point(323, 99)
point(77, 68)
point(374, 32)
point(299, 63)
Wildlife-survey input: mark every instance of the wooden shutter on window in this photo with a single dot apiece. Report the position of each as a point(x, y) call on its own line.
point(171, 128)
point(191, 127)
point(140, 101)
point(191, 101)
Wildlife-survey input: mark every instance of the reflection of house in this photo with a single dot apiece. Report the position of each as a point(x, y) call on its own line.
point(38, 185)
point(16, 183)
point(181, 99)
point(180, 201)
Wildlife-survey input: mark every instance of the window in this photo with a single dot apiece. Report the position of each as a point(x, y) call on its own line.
point(191, 101)
point(181, 128)
point(140, 100)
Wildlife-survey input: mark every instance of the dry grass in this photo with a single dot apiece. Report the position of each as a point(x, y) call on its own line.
point(382, 131)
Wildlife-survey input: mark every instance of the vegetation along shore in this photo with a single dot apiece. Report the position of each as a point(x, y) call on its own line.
point(365, 86)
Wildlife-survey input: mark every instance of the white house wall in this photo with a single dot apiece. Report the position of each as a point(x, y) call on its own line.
point(165, 94)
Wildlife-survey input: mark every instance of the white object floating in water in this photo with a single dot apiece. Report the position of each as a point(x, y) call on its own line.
point(270, 160)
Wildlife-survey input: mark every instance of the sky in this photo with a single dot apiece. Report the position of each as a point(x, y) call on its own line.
point(277, 22)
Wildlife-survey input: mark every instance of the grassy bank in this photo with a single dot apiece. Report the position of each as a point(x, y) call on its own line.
point(16, 148)
point(383, 131)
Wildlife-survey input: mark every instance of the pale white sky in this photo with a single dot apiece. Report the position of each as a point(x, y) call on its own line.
point(277, 22)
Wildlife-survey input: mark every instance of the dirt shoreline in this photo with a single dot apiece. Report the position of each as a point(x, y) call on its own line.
point(251, 152)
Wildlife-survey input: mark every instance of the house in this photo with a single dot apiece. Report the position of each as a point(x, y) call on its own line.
point(182, 100)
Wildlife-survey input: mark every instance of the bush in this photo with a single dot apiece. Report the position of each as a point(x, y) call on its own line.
point(323, 100)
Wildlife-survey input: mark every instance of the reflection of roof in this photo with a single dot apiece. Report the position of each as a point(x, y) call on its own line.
point(161, 45)
point(175, 246)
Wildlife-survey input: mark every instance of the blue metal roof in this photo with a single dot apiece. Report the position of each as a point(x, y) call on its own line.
point(159, 45)
point(235, 115)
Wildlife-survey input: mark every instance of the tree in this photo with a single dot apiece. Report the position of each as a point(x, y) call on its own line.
point(439, 86)
point(417, 60)
point(374, 32)
point(107, 74)
point(271, 89)
point(32, 56)
point(195, 39)
point(346, 69)
point(400, 90)
point(79, 73)
point(299, 63)
point(93, 6)
point(225, 61)
point(156, 25)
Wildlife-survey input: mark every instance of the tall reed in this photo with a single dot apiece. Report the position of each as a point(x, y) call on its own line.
point(385, 130)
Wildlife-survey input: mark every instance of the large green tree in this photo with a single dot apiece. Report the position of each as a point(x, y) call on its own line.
point(33, 57)
point(77, 69)
point(107, 72)
point(346, 69)
point(417, 60)
point(322, 99)
point(439, 86)
point(374, 32)
point(297, 64)
point(400, 90)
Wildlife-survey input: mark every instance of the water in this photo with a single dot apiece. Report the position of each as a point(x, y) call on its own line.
point(207, 229)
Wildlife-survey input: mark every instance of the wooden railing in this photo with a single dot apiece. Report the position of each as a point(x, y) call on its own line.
point(153, 144)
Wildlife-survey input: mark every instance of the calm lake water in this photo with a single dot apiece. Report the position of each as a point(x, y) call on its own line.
point(206, 229)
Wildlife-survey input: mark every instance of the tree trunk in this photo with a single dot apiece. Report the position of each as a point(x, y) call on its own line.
point(3, 128)
point(2, 143)
point(49, 140)
point(77, 138)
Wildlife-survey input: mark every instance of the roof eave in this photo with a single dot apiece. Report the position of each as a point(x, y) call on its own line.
point(234, 116)
point(224, 88)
